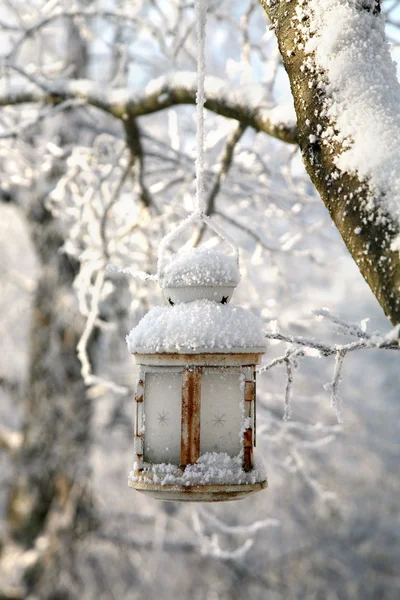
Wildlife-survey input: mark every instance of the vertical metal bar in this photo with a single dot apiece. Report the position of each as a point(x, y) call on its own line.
point(248, 449)
point(249, 393)
point(190, 423)
point(139, 396)
point(255, 408)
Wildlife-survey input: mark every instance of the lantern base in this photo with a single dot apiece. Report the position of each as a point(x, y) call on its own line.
point(198, 493)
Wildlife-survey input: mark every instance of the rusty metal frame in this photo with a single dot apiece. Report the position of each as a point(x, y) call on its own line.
point(255, 408)
point(191, 406)
point(139, 396)
point(190, 415)
point(211, 359)
point(249, 394)
point(198, 493)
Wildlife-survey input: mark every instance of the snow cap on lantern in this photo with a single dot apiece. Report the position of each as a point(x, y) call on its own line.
point(195, 403)
point(199, 273)
point(197, 326)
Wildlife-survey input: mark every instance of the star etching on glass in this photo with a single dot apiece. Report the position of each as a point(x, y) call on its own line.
point(163, 417)
point(218, 420)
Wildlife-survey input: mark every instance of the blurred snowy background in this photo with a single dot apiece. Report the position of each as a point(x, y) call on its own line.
point(80, 188)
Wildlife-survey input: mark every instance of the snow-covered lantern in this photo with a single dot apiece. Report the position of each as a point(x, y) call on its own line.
point(196, 397)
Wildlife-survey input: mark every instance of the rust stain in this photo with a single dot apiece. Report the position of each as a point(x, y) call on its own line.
point(190, 423)
point(255, 407)
point(139, 391)
point(248, 450)
point(199, 493)
point(140, 466)
point(242, 359)
point(249, 389)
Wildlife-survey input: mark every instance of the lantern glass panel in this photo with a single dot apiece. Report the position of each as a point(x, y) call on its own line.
point(162, 409)
point(221, 411)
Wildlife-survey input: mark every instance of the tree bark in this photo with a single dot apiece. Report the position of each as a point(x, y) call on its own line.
point(367, 239)
point(50, 502)
point(50, 497)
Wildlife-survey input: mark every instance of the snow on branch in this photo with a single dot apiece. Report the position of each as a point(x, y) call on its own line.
point(237, 529)
point(299, 347)
point(248, 104)
point(346, 97)
point(362, 93)
point(210, 545)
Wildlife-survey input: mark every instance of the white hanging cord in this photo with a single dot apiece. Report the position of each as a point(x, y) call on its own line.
point(199, 211)
point(199, 208)
point(201, 19)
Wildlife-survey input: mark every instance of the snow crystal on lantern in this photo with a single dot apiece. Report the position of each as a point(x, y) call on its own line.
point(198, 326)
point(200, 267)
point(213, 468)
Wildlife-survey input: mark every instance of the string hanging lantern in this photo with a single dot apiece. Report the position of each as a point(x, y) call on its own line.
point(195, 426)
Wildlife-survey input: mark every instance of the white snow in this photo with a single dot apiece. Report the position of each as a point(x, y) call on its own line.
point(131, 272)
point(363, 94)
point(283, 115)
point(202, 325)
point(200, 266)
point(213, 468)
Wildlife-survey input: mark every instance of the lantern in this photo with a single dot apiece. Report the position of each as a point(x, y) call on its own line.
point(196, 397)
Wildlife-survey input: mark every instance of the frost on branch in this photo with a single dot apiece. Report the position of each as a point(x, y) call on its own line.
point(299, 347)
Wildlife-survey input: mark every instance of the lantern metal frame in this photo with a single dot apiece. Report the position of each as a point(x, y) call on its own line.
point(193, 366)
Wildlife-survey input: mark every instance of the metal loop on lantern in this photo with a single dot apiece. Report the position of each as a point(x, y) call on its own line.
point(195, 217)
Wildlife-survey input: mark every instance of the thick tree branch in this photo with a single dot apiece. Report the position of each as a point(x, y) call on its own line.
point(248, 104)
point(368, 235)
point(134, 142)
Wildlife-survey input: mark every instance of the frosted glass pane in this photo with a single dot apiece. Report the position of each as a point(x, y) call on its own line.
point(162, 409)
point(221, 411)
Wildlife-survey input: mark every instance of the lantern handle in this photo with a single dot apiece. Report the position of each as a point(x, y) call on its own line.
point(195, 217)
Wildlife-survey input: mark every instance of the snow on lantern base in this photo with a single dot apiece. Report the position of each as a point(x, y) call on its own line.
point(195, 402)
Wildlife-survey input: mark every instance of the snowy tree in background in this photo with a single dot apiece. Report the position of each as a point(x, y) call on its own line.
point(97, 151)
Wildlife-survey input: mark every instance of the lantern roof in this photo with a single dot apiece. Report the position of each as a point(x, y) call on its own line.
point(200, 267)
point(198, 326)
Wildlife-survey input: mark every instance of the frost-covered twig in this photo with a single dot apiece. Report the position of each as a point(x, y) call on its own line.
point(210, 544)
point(238, 529)
point(86, 368)
point(114, 198)
point(343, 327)
point(287, 413)
point(22, 128)
point(384, 342)
point(314, 348)
point(141, 275)
point(312, 482)
point(333, 386)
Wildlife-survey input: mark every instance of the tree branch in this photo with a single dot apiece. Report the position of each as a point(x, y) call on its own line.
point(301, 347)
point(248, 104)
point(369, 234)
